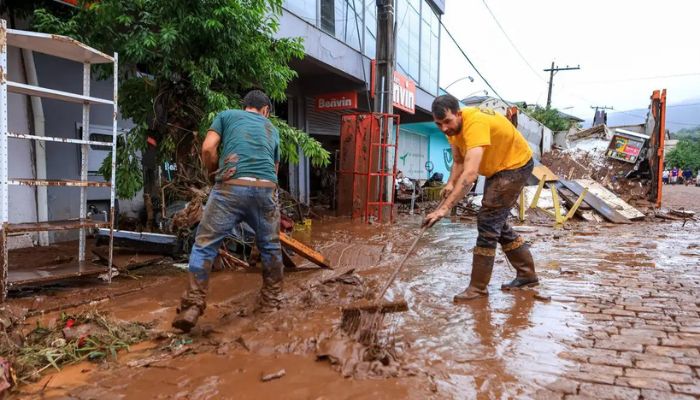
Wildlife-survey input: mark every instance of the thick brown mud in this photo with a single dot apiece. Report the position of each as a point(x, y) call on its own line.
point(508, 345)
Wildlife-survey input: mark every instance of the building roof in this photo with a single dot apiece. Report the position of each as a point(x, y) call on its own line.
point(468, 101)
point(569, 117)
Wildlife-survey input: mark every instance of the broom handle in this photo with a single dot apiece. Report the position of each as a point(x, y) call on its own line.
point(410, 250)
point(398, 268)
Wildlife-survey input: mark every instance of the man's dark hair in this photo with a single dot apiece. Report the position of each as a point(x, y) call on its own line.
point(443, 103)
point(256, 99)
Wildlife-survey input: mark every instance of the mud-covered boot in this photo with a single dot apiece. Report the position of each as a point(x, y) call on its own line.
point(482, 266)
point(271, 291)
point(193, 303)
point(518, 253)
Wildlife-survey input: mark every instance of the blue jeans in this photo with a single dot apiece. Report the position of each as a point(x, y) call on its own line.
point(227, 207)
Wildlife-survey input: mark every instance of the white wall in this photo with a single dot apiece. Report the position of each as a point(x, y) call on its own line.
point(21, 161)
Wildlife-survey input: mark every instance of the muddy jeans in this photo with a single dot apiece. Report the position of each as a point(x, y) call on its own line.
point(227, 207)
point(500, 195)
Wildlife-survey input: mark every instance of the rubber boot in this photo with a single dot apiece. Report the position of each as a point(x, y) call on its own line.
point(518, 253)
point(482, 266)
point(193, 302)
point(271, 291)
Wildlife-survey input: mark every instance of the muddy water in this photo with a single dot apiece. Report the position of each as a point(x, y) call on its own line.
point(503, 346)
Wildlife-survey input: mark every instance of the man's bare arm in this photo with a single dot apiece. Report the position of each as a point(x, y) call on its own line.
point(468, 176)
point(210, 153)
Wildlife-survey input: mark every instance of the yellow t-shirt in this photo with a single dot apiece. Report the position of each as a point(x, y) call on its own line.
point(504, 147)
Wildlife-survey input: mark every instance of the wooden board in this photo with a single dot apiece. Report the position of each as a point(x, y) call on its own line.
point(597, 203)
point(541, 170)
point(124, 259)
point(305, 251)
point(609, 197)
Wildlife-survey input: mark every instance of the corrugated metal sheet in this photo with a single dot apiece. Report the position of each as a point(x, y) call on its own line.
point(323, 122)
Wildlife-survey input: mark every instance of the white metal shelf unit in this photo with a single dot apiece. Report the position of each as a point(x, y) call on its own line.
point(70, 49)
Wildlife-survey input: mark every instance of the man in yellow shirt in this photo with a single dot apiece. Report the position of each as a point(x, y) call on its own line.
point(485, 143)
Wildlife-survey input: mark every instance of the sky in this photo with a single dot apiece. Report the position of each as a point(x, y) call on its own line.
point(626, 49)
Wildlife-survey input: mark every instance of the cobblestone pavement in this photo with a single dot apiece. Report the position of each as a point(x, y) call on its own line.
point(640, 337)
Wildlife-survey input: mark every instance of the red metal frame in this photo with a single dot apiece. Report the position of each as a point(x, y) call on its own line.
point(370, 152)
point(659, 97)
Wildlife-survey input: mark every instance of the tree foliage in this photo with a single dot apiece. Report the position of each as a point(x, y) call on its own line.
point(688, 133)
point(686, 154)
point(549, 117)
point(181, 62)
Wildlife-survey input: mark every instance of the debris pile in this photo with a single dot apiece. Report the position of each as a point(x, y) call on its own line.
point(89, 335)
point(586, 158)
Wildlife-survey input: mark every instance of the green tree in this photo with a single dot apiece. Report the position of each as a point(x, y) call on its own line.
point(181, 62)
point(686, 154)
point(688, 133)
point(549, 117)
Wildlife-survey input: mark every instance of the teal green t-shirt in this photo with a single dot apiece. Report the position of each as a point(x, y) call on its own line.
point(249, 146)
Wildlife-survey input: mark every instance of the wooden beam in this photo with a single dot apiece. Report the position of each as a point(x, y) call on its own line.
point(305, 251)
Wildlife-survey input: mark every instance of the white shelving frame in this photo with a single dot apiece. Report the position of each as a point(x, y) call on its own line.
point(66, 48)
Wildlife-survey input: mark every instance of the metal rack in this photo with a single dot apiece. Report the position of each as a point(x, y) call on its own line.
point(367, 165)
point(70, 49)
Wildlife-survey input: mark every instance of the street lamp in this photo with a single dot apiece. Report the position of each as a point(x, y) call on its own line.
point(459, 80)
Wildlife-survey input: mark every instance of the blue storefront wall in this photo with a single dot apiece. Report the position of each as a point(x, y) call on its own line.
point(438, 149)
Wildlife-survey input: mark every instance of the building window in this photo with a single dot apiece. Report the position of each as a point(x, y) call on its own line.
point(370, 45)
point(408, 38)
point(341, 19)
point(304, 9)
point(430, 49)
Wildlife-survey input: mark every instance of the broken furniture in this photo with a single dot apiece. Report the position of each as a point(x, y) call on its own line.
point(66, 48)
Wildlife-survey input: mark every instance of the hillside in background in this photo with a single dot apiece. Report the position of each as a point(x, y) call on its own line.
point(684, 115)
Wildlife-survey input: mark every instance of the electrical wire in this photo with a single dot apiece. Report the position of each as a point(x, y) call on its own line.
point(645, 78)
point(522, 57)
point(466, 57)
point(494, 91)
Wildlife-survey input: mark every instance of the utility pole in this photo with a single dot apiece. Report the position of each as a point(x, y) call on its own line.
point(383, 100)
point(603, 118)
point(553, 70)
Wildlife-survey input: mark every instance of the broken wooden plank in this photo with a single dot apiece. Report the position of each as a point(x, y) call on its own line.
point(610, 198)
point(541, 171)
point(304, 251)
point(597, 203)
point(123, 259)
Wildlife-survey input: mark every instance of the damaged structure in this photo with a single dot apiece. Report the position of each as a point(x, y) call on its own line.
point(12, 223)
point(627, 160)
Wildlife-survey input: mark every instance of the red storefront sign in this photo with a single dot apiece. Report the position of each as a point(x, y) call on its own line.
point(403, 89)
point(336, 101)
point(404, 93)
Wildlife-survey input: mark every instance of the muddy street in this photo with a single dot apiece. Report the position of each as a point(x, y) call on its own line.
point(616, 312)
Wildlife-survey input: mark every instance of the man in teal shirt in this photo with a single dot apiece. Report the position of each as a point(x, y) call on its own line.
point(245, 190)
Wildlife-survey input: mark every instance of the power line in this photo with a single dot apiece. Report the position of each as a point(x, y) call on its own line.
point(494, 91)
point(522, 57)
point(684, 105)
point(640, 78)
